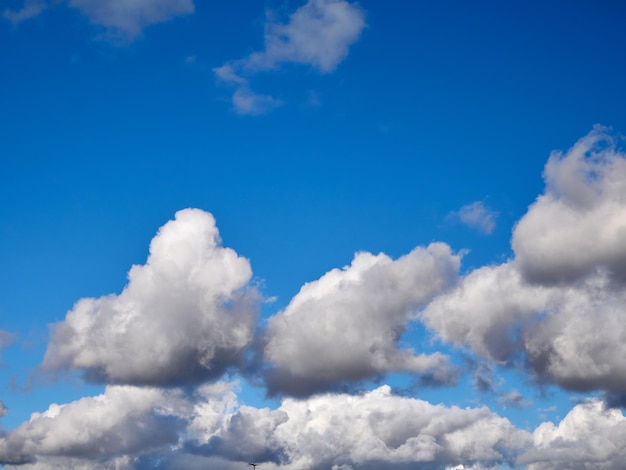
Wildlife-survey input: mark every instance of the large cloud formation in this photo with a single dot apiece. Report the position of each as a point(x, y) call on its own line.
point(318, 34)
point(127, 426)
point(346, 325)
point(560, 303)
point(185, 316)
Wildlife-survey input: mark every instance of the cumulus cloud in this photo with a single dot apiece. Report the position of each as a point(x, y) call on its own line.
point(578, 226)
point(589, 437)
point(346, 325)
point(123, 20)
point(123, 420)
point(477, 216)
point(318, 34)
point(559, 305)
point(373, 430)
point(131, 428)
point(184, 317)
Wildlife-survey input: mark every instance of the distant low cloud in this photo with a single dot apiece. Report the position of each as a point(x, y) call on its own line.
point(185, 316)
point(559, 303)
point(345, 326)
point(477, 216)
point(123, 20)
point(318, 34)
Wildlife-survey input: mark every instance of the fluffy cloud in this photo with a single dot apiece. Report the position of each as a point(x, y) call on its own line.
point(122, 19)
point(185, 316)
point(346, 325)
point(477, 216)
point(589, 437)
point(374, 430)
point(132, 428)
point(318, 34)
point(123, 420)
point(578, 226)
point(560, 303)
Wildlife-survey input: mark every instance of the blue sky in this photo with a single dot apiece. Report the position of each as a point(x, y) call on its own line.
point(418, 205)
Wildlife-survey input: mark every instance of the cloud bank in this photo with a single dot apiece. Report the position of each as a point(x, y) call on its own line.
point(128, 426)
point(318, 34)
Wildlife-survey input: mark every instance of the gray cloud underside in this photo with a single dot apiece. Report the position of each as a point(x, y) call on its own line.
point(560, 304)
point(185, 316)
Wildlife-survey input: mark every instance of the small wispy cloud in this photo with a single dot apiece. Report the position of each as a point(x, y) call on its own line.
point(318, 34)
point(30, 9)
point(122, 20)
point(476, 216)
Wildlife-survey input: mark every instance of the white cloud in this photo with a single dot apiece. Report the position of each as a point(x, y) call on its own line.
point(589, 437)
point(477, 216)
point(578, 226)
point(374, 430)
point(560, 303)
point(185, 316)
point(123, 420)
point(346, 325)
point(132, 428)
point(318, 34)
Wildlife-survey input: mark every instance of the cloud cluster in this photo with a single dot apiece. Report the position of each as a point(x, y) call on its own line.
point(346, 325)
point(189, 314)
point(559, 305)
point(122, 19)
point(185, 316)
point(318, 34)
point(127, 426)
